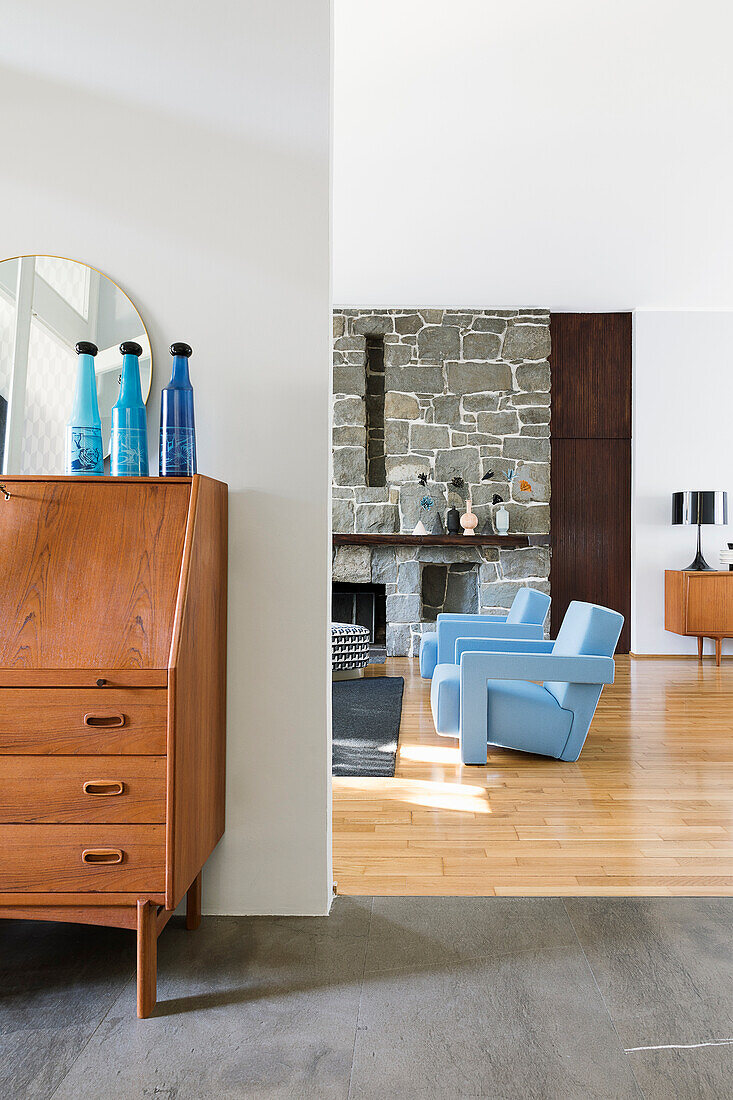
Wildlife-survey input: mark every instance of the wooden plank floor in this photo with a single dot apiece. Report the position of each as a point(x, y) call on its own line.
point(648, 808)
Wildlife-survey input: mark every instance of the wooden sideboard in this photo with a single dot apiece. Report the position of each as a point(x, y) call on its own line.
point(699, 604)
point(112, 700)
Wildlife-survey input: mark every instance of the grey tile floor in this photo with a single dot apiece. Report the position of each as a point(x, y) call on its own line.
point(533, 999)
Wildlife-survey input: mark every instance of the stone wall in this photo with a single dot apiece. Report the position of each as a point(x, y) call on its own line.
point(499, 573)
point(463, 392)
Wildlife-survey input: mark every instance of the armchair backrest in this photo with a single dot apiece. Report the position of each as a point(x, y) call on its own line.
point(587, 630)
point(525, 620)
point(529, 606)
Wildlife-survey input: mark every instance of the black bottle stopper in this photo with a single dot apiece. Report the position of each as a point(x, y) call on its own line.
point(86, 347)
point(182, 349)
point(129, 347)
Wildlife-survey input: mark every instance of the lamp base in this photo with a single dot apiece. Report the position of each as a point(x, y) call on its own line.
point(699, 565)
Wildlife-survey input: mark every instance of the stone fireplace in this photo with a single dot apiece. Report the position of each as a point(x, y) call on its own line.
point(451, 586)
point(440, 393)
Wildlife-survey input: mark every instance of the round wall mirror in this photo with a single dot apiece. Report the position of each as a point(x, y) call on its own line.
point(48, 304)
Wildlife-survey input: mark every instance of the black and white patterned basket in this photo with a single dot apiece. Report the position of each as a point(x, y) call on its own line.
point(349, 646)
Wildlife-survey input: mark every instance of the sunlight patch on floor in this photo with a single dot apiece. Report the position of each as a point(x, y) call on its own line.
point(431, 754)
point(445, 796)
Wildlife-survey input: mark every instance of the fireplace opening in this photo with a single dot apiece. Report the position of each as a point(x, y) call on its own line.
point(363, 605)
point(448, 588)
point(376, 475)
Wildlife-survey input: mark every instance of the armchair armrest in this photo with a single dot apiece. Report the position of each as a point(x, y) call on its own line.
point(451, 629)
point(456, 616)
point(501, 645)
point(536, 666)
point(477, 668)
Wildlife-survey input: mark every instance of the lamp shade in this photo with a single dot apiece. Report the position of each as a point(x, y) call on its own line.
point(699, 506)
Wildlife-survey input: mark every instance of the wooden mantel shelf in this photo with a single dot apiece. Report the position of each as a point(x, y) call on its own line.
point(465, 541)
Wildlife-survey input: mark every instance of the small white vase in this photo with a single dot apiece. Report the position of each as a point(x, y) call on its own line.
point(420, 528)
point(501, 519)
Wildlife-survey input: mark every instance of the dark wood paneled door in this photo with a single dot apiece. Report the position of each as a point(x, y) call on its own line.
point(590, 503)
point(591, 375)
point(591, 527)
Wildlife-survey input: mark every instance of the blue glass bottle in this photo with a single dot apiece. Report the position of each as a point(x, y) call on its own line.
point(84, 454)
point(177, 428)
point(129, 447)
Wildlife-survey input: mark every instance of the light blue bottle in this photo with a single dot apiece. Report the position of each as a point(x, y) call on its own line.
point(129, 449)
point(177, 427)
point(84, 454)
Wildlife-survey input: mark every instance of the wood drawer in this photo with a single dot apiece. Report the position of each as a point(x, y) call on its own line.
point(106, 721)
point(39, 789)
point(40, 858)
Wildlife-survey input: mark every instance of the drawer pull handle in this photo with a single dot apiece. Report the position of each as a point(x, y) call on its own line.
point(101, 855)
point(103, 786)
point(102, 721)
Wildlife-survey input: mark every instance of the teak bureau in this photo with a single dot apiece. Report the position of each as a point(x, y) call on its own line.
point(112, 700)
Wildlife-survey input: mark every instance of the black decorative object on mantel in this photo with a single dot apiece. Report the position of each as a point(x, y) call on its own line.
point(437, 528)
point(698, 507)
point(453, 521)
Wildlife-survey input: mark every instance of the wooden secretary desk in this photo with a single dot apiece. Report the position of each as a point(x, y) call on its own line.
point(112, 700)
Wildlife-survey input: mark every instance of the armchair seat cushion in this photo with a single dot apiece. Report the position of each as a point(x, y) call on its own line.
point(445, 699)
point(428, 654)
point(525, 716)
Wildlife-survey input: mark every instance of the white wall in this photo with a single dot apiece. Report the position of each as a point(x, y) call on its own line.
point(571, 155)
point(683, 397)
point(183, 149)
point(567, 154)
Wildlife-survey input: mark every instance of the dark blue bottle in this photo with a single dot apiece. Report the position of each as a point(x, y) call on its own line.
point(177, 428)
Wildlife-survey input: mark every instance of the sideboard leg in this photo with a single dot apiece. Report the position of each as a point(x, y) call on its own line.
point(193, 904)
point(147, 957)
point(718, 648)
point(699, 647)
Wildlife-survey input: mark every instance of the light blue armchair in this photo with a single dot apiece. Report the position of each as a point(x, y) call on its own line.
point(488, 696)
point(525, 619)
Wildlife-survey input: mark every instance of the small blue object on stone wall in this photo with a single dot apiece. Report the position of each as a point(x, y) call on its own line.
point(84, 454)
point(129, 447)
point(177, 428)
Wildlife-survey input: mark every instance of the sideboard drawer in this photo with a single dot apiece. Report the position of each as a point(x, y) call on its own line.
point(82, 789)
point(68, 721)
point(84, 858)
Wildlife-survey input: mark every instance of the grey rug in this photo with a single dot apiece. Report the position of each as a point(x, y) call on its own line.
point(366, 725)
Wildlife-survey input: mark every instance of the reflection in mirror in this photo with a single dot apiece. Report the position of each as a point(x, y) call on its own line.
point(48, 304)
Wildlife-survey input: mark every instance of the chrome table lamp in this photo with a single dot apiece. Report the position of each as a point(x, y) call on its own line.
point(698, 507)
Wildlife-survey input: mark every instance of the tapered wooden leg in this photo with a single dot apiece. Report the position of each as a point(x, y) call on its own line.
point(193, 904)
point(147, 957)
point(699, 648)
point(718, 648)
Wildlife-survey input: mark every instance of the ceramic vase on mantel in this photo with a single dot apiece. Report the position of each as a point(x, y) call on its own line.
point(453, 521)
point(501, 520)
point(469, 520)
